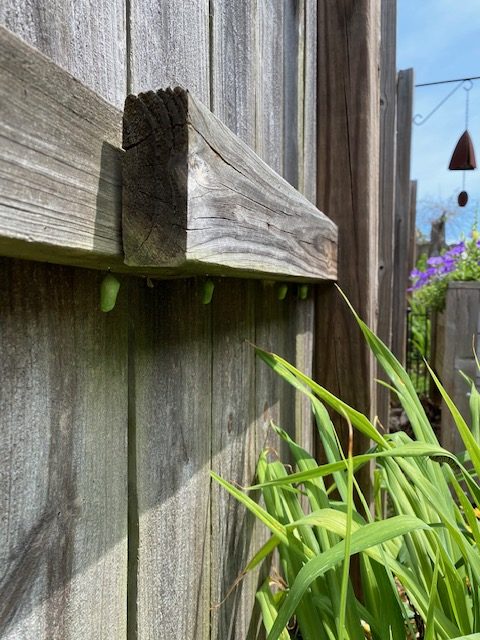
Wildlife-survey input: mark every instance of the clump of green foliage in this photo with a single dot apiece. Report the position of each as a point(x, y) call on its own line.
point(420, 561)
point(431, 276)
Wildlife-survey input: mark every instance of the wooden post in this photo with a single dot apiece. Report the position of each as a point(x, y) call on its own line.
point(388, 110)
point(347, 187)
point(412, 222)
point(402, 206)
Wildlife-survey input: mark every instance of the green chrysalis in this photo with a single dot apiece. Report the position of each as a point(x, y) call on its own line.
point(282, 291)
point(207, 292)
point(108, 292)
point(303, 291)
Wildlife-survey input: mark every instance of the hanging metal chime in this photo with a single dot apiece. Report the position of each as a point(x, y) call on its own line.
point(463, 157)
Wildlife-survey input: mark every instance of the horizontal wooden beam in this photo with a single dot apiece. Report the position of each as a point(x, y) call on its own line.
point(60, 164)
point(195, 197)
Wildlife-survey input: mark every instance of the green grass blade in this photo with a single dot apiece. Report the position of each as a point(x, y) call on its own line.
point(367, 536)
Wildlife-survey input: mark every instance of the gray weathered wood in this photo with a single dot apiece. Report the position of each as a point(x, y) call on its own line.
point(347, 187)
point(170, 46)
point(170, 396)
point(388, 108)
point(405, 88)
point(85, 37)
point(63, 478)
point(235, 534)
point(307, 101)
point(233, 71)
point(196, 196)
point(60, 163)
point(459, 335)
point(412, 226)
point(269, 86)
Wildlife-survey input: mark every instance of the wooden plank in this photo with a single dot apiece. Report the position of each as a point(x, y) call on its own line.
point(63, 483)
point(235, 535)
point(388, 109)
point(170, 46)
point(461, 321)
point(405, 88)
point(347, 187)
point(60, 163)
point(233, 73)
point(269, 86)
point(195, 194)
point(307, 102)
point(307, 162)
point(87, 39)
point(412, 227)
point(171, 416)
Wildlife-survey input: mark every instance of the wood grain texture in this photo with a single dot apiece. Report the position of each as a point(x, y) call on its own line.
point(60, 163)
point(233, 56)
point(85, 37)
point(307, 100)
point(388, 109)
point(270, 83)
point(195, 194)
point(461, 324)
point(171, 381)
point(412, 227)
point(405, 89)
point(347, 187)
point(63, 408)
point(170, 46)
point(235, 535)
point(170, 396)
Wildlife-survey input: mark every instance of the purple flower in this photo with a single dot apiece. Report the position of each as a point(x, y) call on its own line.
point(456, 250)
point(435, 261)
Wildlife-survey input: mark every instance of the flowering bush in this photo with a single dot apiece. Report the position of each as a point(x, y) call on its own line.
point(431, 276)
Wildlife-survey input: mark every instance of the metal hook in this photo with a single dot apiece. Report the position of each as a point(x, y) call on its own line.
point(419, 119)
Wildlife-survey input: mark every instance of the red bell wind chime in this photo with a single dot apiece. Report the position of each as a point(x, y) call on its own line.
point(463, 157)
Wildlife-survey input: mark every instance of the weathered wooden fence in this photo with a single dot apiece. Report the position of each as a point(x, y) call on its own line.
point(110, 423)
point(456, 341)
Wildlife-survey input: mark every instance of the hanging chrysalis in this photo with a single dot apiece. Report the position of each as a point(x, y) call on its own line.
point(207, 291)
point(282, 291)
point(108, 292)
point(303, 291)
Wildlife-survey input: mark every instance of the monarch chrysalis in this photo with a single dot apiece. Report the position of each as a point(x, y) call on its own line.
point(303, 291)
point(282, 291)
point(150, 284)
point(207, 292)
point(108, 292)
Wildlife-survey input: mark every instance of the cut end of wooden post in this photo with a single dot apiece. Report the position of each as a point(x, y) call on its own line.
point(197, 198)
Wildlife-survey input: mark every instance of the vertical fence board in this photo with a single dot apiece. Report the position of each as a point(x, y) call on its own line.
point(388, 107)
point(233, 66)
point(402, 233)
point(307, 179)
point(63, 427)
point(347, 190)
point(170, 413)
point(171, 391)
point(169, 46)
point(235, 535)
point(85, 37)
point(460, 324)
point(275, 320)
point(270, 83)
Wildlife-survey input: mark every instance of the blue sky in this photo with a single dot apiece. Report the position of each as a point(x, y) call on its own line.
point(440, 39)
